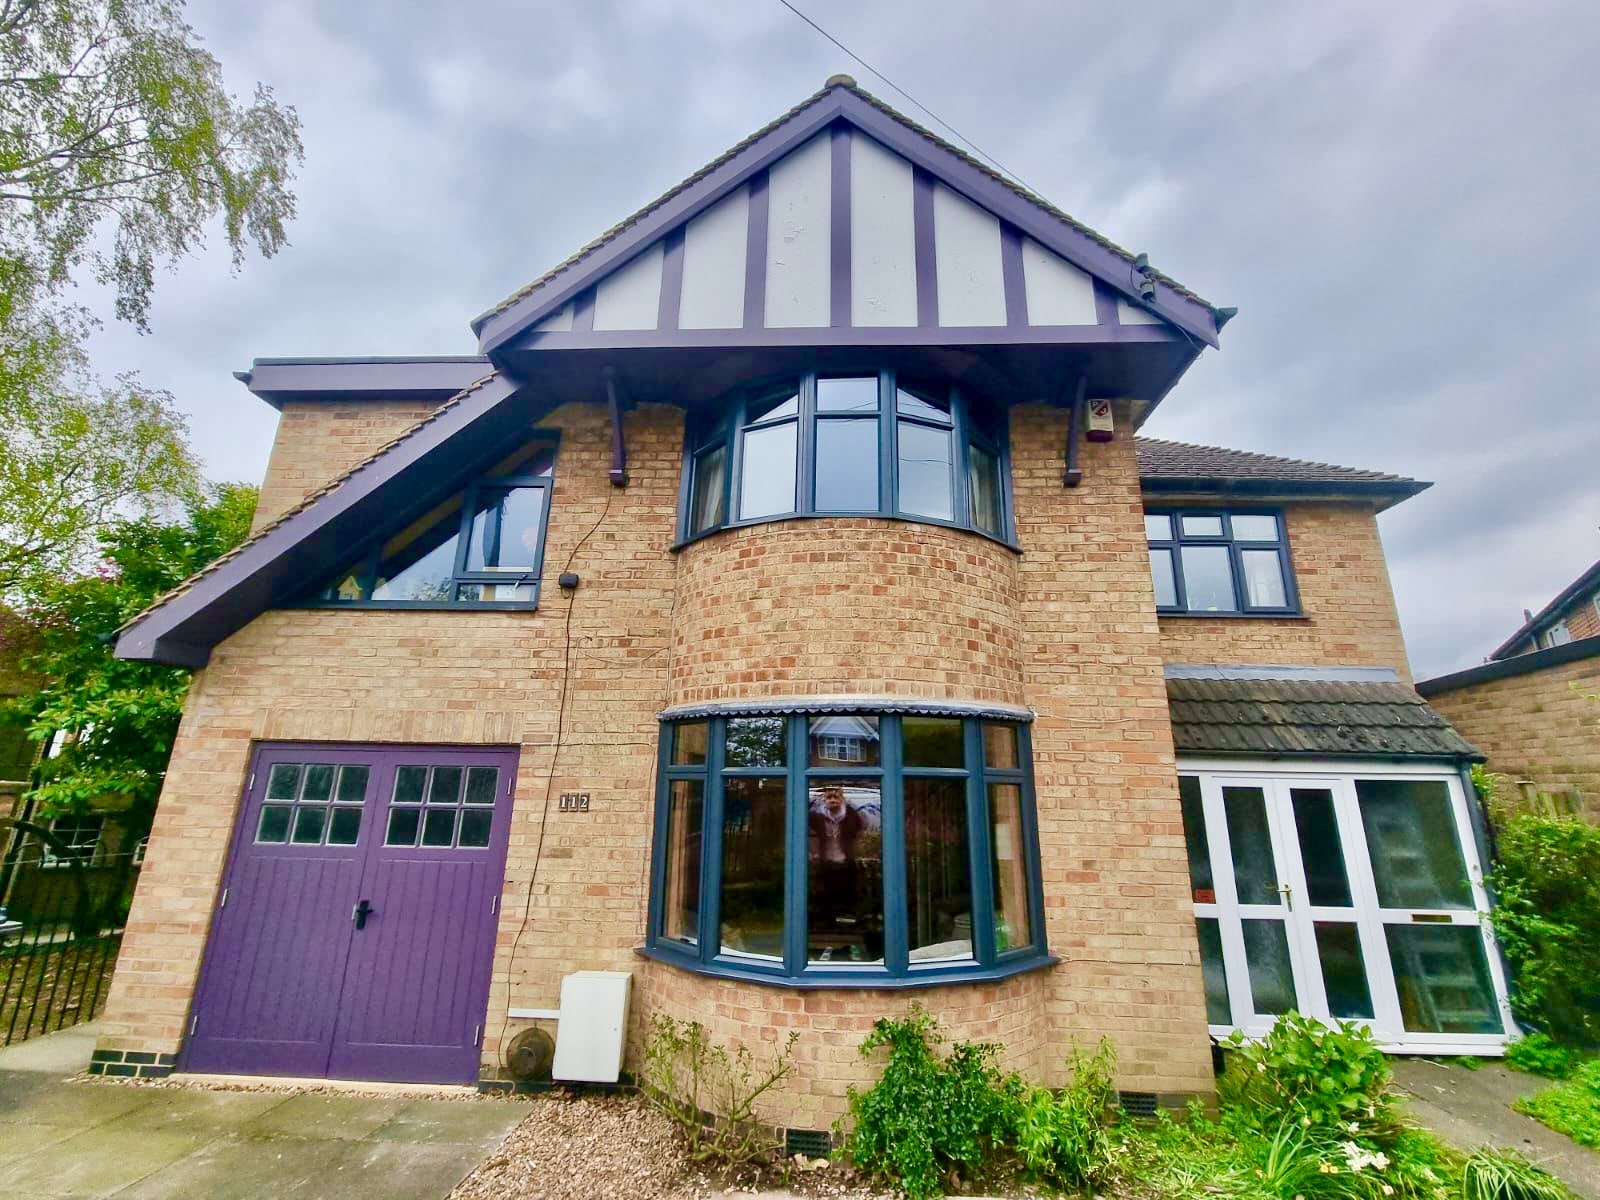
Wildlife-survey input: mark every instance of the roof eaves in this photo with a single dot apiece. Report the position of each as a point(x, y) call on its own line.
point(1516, 664)
point(1573, 591)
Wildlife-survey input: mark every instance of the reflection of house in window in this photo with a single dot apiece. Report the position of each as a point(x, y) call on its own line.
point(80, 837)
point(843, 739)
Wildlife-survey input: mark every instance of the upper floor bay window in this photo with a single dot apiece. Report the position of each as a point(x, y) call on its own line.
point(481, 547)
point(826, 445)
point(1218, 561)
point(852, 847)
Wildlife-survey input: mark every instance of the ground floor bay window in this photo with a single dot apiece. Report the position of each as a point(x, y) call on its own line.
point(865, 847)
point(1346, 894)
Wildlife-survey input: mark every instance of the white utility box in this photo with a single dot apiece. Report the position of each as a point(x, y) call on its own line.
point(594, 1021)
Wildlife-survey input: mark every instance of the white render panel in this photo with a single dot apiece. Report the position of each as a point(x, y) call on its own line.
point(966, 242)
point(630, 297)
point(713, 265)
point(799, 202)
point(1058, 292)
point(883, 243)
point(559, 321)
point(1130, 314)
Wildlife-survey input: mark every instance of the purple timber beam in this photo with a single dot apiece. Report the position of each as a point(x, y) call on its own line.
point(839, 230)
point(755, 256)
point(927, 264)
point(671, 280)
point(758, 337)
point(241, 587)
point(1011, 280)
point(1105, 305)
point(583, 312)
point(619, 445)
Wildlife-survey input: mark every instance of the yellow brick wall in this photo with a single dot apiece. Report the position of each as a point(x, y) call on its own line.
point(319, 440)
point(1349, 617)
point(1542, 727)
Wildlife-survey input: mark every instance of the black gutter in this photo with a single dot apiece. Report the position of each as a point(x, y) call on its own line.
point(1505, 668)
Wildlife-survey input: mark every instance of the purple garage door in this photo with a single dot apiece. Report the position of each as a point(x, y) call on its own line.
point(355, 930)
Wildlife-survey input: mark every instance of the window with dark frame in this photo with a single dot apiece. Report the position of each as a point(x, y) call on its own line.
point(864, 444)
point(1220, 561)
point(481, 547)
point(833, 847)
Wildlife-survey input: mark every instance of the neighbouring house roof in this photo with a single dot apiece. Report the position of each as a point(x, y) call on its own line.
point(840, 100)
point(1516, 664)
point(1180, 468)
point(1308, 717)
point(1580, 588)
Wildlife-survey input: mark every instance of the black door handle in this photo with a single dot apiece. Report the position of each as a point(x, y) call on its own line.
point(360, 914)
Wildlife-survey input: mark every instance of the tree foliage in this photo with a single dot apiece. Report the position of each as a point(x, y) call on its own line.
point(120, 149)
point(119, 718)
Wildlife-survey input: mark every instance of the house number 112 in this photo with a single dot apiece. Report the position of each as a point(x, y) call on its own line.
point(574, 801)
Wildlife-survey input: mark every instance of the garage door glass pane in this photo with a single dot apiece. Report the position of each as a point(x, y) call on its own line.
point(844, 894)
point(1266, 953)
point(408, 784)
point(938, 870)
point(1443, 979)
point(1411, 837)
point(1344, 974)
point(353, 784)
point(439, 827)
point(482, 783)
point(283, 781)
point(680, 918)
point(445, 787)
point(475, 826)
point(345, 827)
point(308, 823)
point(318, 785)
point(403, 826)
point(274, 826)
point(1255, 871)
point(754, 817)
point(1218, 1011)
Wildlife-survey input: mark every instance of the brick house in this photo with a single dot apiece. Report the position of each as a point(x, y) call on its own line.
point(783, 611)
point(1534, 706)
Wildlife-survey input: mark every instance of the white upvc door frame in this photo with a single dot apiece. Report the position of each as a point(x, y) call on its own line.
point(1275, 780)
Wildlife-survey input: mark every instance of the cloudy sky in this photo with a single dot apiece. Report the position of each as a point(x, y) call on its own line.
point(1400, 199)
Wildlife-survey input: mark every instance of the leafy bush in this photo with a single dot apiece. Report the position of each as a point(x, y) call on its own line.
point(711, 1092)
point(1067, 1138)
point(1541, 1054)
point(1547, 885)
point(1325, 1077)
point(1572, 1108)
point(928, 1116)
point(1506, 1175)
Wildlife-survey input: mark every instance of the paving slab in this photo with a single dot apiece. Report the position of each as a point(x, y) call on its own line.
point(17, 1140)
point(325, 1118)
point(188, 1110)
point(249, 1168)
point(96, 1162)
point(1472, 1108)
point(77, 1104)
point(480, 1123)
point(65, 1052)
point(375, 1168)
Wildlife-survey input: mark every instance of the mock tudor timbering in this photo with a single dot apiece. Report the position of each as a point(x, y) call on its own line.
point(958, 726)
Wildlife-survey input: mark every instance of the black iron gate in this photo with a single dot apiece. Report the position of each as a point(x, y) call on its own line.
point(61, 915)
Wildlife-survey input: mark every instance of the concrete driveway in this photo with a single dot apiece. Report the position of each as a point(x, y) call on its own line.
point(61, 1136)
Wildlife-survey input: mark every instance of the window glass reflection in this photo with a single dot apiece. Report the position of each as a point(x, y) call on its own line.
point(938, 870)
point(844, 871)
point(753, 826)
point(925, 471)
point(767, 476)
point(845, 740)
point(847, 466)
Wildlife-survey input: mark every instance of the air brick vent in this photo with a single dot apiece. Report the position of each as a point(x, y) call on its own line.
point(1139, 1104)
point(813, 1143)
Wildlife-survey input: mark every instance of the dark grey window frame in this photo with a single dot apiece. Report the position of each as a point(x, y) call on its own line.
point(369, 557)
point(705, 956)
point(1236, 548)
point(973, 421)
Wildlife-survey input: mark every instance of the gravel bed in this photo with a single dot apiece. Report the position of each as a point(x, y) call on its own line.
point(245, 1084)
point(578, 1147)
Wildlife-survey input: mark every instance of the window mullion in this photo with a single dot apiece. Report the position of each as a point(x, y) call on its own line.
point(895, 946)
point(711, 845)
point(805, 500)
point(796, 858)
point(1040, 942)
point(469, 504)
point(888, 441)
point(960, 501)
point(658, 853)
point(981, 884)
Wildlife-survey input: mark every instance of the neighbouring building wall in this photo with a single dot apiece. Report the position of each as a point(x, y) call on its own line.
point(1349, 617)
point(846, 606)
point(1542, 727)
point(318, 440)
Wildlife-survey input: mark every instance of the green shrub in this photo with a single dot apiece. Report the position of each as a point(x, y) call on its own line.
point(1506, 1175)
point(1547, 885)
point(710, 1092)
point(1326, 1077)
point(1067, 1139)
point(930, 1117)
point(1572, 1108)
point(1541, 1054)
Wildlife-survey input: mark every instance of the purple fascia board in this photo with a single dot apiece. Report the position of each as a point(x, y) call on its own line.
point(859, 335)
point(241, 588)
point(278, 379)
point(494, 329)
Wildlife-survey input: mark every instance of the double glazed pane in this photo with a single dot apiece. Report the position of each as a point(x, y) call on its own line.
point(1412, 840)
point(442, 806)
point(938, 869)
point(754, 824)
point(312, 804)
point(707, 506)
point(844, 871)
point(767, 474)
point(844, 741)
point(847, 464)
point(926, 471)
point(1255, 870)
point(1196, 841)
point(1442, 976)
point(983, 488)
point(419, 563)
point(680, 918)
point(851, 395)
point(1321, 853)
point(1263, 579)
point(1165, 582)
point(1008, 864)
point(505, 529)
point(1208, 577)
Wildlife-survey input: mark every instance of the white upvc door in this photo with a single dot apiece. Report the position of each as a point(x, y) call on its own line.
point(1346, 895)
